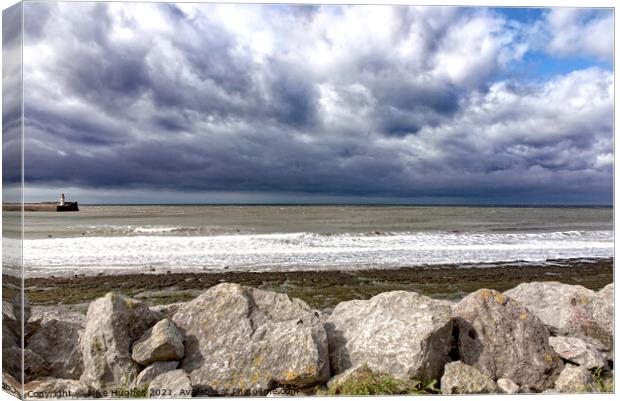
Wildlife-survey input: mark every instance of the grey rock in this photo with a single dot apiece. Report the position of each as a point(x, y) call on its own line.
point(114, 322)
point(41, 316)
point(10, 327)
point(575, 379)
point(34, 364)
point(570, 310)
point(507, 386)
point(50, 387)
point(602, 312)
point(578, 351)
point(240, 337)
point(503, 339)
point(58, 342)
point(460, 378)
point(167, 310)
point(173, 384)
point(7, 311)
point(607, 293)
point(162, 342)
point(21, 304)
point(400, 333)
point(154, 370)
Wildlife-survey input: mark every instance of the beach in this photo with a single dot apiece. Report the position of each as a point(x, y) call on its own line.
point(321, 290)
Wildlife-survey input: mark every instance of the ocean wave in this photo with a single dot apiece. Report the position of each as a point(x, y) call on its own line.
point(128, 230)
point(290, 251)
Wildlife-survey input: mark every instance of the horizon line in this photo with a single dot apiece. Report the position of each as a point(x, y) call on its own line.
point(356, 204)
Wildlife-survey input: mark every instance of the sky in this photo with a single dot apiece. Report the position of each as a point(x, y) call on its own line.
point(207, 103)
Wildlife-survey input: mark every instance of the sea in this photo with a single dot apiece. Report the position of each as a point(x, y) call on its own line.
point(180, 238)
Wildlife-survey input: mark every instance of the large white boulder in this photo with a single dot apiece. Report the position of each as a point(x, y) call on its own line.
point(570, 310)
point(114, 322)
point(502, 338)
point(58, 342)
point(400, 333)
point(239, 338)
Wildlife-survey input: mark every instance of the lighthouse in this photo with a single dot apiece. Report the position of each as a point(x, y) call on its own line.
point(64, 206)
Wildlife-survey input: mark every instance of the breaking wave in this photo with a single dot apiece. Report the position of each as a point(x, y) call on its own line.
point(150, 248)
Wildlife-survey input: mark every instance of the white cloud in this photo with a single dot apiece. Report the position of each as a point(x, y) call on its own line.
point(572, 32)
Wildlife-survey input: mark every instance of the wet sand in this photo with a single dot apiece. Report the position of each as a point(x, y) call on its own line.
point(322, 290)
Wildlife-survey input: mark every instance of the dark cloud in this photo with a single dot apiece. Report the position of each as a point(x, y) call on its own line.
point(317, 100)
point(11, 102)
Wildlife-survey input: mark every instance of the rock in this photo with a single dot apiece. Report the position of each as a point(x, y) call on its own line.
point(154, 370)
point(601, 310)
point(240, 337)
point(507, 386)
point(607, 293)
point(549, 301)
point(58, 342)
point(578, 351)
point(503, 339)
point(525, 389)
point(575, 379)
point(460, 378)
point(162, 342)
point(10, 327)
point(11, 385)
point(113, 323)
point(167, 310)
point(7, 310)
point(570, 310)
point(21, 301)
point(402, 334)
point(40, 316)
point(173, 384)
point(34, 364)
point(50, 387)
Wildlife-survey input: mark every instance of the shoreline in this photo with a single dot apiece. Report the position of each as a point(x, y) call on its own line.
point(320, 289)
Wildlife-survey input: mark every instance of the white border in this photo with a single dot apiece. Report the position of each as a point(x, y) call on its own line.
point(490, 3)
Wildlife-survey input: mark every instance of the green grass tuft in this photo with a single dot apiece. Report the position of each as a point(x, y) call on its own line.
point(366, 382)
point(604, 381)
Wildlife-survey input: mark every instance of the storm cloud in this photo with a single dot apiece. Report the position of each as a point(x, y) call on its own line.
point(342, 101)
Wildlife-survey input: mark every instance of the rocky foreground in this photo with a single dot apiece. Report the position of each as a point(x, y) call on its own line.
point(238, 340)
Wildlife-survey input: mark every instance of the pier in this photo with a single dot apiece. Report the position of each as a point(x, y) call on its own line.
point(61, 206)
